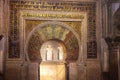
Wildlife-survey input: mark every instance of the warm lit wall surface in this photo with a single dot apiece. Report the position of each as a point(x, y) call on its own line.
point(52, 71)
point(1, 57)
point(1, 54)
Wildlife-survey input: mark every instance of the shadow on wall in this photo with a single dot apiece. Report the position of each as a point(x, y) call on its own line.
point(1, 36)
point(1, 76)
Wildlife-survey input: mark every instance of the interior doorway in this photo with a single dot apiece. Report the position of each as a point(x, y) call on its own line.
point(52, 67)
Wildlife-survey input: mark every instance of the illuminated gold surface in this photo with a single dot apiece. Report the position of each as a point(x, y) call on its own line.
point(54, 31)
point(76, 25)
point(42, 11)
point(52, 71)
point(47, 31)
point(53, 51)
point(46, 15)
point(30, 25)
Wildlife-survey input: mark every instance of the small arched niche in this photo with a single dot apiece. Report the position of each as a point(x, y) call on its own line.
point(53, 54)
point(53, 50)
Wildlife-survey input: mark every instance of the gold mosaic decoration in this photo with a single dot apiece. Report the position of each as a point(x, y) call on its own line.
point(53, 31)
point(14, 30)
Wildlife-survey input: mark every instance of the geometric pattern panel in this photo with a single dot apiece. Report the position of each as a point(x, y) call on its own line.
point(91, 47)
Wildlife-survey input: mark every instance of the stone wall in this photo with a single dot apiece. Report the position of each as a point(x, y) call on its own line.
point(13, 70)
point(93, 71)
point(1, 14)
point(33, 69)
point(114, 59)
point(1, 7)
